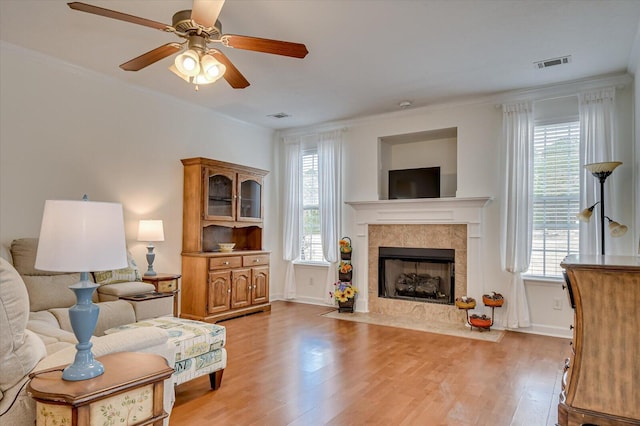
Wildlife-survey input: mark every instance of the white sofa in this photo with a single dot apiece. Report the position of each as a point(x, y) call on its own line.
point(35, 333)
point(50, 297)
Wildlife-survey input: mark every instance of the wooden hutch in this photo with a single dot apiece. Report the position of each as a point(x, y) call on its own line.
point(223, 203)
point(601, 383)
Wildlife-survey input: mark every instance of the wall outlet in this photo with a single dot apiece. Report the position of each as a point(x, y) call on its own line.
point(557, 303)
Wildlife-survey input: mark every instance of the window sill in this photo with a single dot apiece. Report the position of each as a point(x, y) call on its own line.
point(541, 279)
point(311, 264)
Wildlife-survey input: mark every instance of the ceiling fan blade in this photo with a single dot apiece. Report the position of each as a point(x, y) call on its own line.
point(151, 57)
point(206, 12)
point(83, 7)
point(232, 75)
point(277, 47)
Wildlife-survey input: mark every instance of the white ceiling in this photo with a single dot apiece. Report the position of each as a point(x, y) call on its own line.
point(365, 55)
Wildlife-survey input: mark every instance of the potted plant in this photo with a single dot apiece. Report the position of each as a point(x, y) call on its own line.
point(345, 248)
point(345, 295)
point(345, 271)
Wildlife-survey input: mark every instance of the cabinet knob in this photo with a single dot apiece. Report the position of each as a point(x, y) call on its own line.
point(256, 260)
point(229, 290)
point(571, 327)
point(563, 286)
point(225, 263)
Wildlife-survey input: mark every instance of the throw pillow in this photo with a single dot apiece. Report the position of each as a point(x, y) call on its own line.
point(130, 273)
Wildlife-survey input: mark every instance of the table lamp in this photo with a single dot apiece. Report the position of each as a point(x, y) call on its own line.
point(150, 231)
point(82, 236)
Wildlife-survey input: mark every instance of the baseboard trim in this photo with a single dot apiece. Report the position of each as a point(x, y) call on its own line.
point(545, 330)
point(541, 329)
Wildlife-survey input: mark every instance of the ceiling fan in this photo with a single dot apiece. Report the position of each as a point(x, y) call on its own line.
point(198, 63)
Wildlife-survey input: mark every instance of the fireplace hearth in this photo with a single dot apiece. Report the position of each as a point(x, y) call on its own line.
point(417, 274)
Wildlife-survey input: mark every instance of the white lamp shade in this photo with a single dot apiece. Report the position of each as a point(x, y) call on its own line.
point(81, 236)
point(150, 230)
point(604, 167)
point(212, 68)
point(188, 63)
point(177, 72)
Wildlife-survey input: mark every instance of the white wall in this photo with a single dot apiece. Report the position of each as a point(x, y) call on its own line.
point(479, 172)
point(65, 132)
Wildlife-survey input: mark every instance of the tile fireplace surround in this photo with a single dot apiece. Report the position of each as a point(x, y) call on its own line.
point(454, 223)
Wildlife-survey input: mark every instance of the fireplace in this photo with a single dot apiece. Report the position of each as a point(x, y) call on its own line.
point(417, 274)
point(442, 223)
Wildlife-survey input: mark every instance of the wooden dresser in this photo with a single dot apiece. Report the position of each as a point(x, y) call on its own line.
point(601, 383)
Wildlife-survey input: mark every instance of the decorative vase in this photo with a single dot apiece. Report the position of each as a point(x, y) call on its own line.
point(493, 300)
point(482, 322)
point(347, 306)
point(470, 303)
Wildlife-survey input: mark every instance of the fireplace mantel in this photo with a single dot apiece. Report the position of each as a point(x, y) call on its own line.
point(424, 211)
point(439, 202)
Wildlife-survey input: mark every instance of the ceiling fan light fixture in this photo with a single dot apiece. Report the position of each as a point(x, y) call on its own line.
point(188, 63)
point(212, 68)
point(177, 72)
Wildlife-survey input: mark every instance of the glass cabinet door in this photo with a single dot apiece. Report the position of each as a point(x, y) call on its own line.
point(219, 195)
point(250, 199)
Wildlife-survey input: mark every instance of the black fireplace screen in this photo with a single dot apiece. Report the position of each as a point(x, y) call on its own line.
point(417, 274)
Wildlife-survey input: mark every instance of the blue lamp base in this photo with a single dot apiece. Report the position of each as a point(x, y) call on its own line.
point(84, 317)
point(151, 256)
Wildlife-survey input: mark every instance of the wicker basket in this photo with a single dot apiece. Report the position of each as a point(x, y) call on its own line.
point(347, 306)
point(345, 277)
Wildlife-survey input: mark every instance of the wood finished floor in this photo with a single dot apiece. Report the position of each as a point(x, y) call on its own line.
point(295, 367)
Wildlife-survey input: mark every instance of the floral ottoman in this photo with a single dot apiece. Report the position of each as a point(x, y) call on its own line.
point(199, 347)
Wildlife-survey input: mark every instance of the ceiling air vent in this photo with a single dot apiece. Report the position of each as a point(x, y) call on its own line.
point(552, 62)
point(279, 115)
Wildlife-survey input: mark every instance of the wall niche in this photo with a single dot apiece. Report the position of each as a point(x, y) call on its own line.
point(429, 148)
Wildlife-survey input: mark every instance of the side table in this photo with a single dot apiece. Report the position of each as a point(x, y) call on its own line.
point(129, 392)
point(166, 283)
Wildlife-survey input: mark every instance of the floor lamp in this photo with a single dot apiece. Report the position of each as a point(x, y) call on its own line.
point(82, 236)
point(602, 171)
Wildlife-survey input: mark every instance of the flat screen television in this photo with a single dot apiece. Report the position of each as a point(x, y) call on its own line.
point(414, 183)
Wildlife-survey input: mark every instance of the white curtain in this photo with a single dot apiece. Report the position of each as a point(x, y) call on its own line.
point(597, 133)
point(517, 208)
point(292, 205)
point(330, 198)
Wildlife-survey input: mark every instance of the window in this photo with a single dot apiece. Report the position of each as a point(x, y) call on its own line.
point(311, 250)
point(556, 197)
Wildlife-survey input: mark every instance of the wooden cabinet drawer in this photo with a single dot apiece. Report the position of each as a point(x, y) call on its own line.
point(258, 259)
point(167, 286)
point(225, 262)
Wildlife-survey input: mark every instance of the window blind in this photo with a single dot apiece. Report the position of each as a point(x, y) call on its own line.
point(556, 197)
point(311, 248)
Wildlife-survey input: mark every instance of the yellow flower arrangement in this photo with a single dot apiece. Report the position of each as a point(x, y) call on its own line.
point(344, 291)
point(345, 267)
